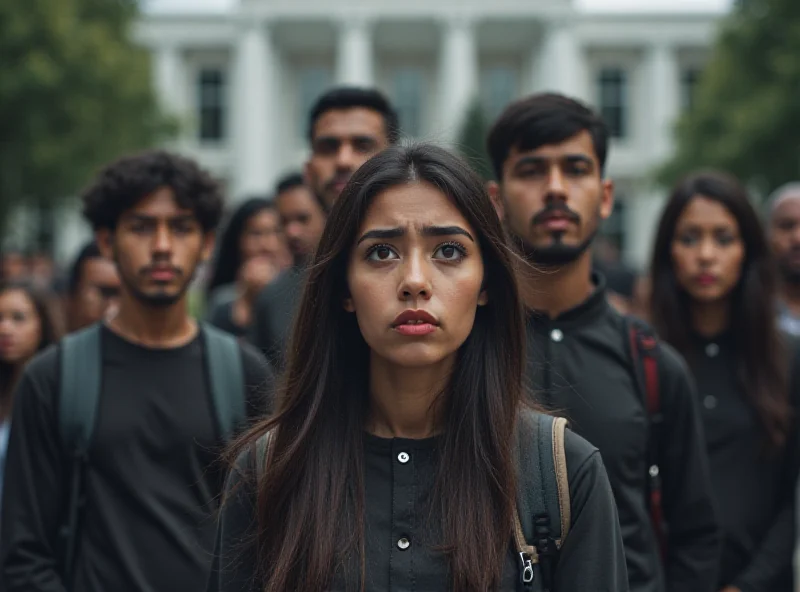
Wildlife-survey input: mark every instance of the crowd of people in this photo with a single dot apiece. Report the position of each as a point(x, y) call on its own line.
point(357, 383)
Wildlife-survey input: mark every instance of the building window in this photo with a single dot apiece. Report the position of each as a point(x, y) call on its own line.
point(499, 88)
point(313, 81)
point(408, 90)
point(211, 89)
point(689, 80)
point(613, 100)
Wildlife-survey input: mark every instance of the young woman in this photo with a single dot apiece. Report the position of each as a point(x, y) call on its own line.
point(390, 462)
point(27, 326)
point(251, 254)
point(713, 298)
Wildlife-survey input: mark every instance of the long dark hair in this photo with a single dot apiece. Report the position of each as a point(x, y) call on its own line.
point(229, 254)
point(50, 333)
point(762, 359)
point(310, 508)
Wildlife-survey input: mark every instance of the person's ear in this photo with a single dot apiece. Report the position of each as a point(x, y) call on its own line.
point(493, 189)
point(483, 298)
point(348, 304)
point(104, 238)
point(209, 240)
point(607, 199)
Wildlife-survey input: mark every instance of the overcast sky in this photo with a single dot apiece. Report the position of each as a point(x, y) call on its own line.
point(610, 5)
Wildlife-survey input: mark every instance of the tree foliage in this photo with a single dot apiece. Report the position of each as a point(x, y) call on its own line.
point(747, 106)
point(472, 141)
point(75, 92)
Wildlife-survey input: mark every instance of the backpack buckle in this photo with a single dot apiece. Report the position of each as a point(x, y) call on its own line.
point(527, 569)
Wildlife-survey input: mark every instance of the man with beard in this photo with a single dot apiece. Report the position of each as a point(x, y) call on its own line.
point(549, 152)
point(150, 482)
point(347, 126)
point(784, 237)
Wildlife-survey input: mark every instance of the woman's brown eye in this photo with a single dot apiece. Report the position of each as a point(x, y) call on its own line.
point(384, 253)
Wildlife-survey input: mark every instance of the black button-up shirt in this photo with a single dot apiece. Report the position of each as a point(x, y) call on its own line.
point(579, 364)
point(400, 554)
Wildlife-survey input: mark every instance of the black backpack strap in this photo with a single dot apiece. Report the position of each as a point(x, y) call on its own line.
point(80, 382)
point(543, 501)
point(643, 346)
point(225, 368)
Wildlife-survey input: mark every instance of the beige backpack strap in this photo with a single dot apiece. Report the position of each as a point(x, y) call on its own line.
point(560, 462)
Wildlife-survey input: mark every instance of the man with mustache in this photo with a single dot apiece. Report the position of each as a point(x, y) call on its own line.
point(347, 126)
point(549, 153)
point(783, 227)
point(150, 476)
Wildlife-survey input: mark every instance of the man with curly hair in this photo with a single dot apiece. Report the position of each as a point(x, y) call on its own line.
point(150, 482)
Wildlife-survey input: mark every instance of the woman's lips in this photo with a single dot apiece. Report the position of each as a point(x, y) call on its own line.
point(415, 329)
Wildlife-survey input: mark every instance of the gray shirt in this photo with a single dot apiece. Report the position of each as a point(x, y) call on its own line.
point(274, 314)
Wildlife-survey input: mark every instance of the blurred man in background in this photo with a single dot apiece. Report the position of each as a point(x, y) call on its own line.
point(347, 126)
point(92, 288)
point(13, 265)
point(783, 226)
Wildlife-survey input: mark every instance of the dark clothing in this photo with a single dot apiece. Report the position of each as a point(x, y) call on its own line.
point(274, 312)
point(152, 482)
point(397, 495)
point(221, 316)
point(580, 365)
point(754, 492)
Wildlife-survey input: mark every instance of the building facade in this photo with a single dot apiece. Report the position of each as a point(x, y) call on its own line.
point(241, 82)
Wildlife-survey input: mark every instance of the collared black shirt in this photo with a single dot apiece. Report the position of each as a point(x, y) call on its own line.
point(580, 365)
point(400, 554)
point(754, 491)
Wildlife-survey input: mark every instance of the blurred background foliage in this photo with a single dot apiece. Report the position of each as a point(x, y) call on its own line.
point(75, 92)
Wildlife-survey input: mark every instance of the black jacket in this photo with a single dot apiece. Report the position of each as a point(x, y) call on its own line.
point(580, 365)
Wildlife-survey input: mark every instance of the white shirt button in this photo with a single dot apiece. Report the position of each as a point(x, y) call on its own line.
point(403, 457)
point(556, 335)
point(712, 350)
point(403, 544)
point(710, 402)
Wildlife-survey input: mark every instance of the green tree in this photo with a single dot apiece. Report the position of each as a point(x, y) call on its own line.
point(747, 107)
point(75, 92)
point(472, 141)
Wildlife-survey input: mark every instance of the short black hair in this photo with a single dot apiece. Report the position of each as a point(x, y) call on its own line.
point(89, 251)
point(351, 97)
point(542, 119)
point(125, 182)
point(289, 181)
point(293, 180)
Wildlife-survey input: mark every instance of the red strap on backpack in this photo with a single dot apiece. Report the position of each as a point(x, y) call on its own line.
point(643, 348)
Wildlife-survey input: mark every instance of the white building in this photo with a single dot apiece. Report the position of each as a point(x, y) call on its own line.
point(241, 82)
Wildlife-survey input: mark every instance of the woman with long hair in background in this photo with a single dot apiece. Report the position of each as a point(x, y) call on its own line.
point(251, 252)
point(391, 459)
point(713, 299)
point(27, 326)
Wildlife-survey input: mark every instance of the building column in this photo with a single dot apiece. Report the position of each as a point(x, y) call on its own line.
point(254, 94)
point(354, 52)
point(458, 76)
point(167, 73)
point(664, 99)
point(560, 63)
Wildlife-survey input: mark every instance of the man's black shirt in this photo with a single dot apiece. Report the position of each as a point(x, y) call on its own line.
point(153, 478)
point(579, 365)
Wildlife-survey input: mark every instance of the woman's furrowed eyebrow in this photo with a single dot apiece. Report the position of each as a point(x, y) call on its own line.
point(388, 233)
